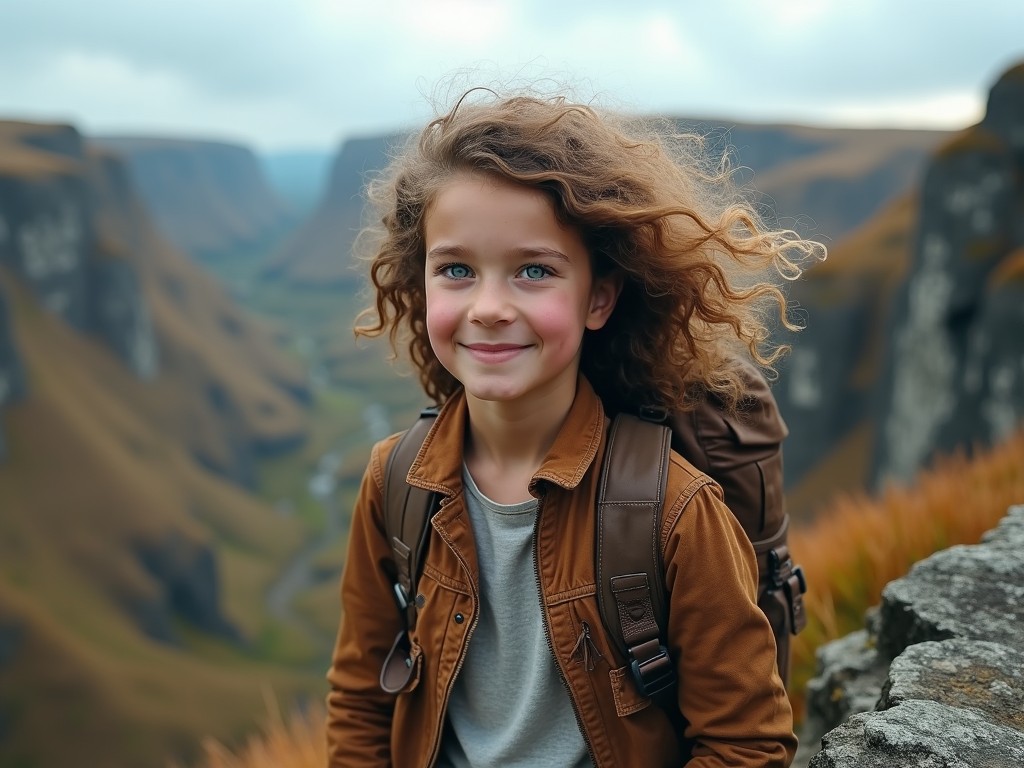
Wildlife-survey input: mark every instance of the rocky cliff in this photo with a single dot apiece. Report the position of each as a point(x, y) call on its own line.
point(12, 372)
point(937, 678)
point(955, 359)
point(209, 198)
point(134, 399)
point(80, 240)
point(911, 349)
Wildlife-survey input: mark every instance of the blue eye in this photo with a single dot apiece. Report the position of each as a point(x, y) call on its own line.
point(456, 271)
point(534, 271)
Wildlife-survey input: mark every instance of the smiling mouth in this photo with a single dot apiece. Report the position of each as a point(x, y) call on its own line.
point(494, 353)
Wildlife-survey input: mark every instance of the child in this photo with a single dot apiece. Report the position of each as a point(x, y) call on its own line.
point(548, 267)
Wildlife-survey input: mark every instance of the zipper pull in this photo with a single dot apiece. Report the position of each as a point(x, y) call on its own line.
point(585, 649)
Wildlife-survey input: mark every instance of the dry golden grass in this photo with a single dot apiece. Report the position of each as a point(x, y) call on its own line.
point(295, 742)
point(858, 545)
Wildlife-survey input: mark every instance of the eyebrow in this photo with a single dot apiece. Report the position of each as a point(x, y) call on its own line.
point(457, 251)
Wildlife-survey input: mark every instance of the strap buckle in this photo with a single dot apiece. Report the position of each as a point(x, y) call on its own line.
point(790, 579)
point(400, 597)
point(653, 413)
point(655, 674)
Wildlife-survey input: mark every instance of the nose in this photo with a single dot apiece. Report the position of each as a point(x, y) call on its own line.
point(491, 303)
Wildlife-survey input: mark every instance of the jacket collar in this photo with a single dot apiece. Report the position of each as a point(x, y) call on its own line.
point(438, 465)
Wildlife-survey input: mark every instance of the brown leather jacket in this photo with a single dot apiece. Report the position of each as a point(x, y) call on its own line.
point(729, 692)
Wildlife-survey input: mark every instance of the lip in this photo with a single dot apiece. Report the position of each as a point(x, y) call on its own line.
point(494, 353)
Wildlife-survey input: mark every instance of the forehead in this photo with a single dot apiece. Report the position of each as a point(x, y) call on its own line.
point(474, 210)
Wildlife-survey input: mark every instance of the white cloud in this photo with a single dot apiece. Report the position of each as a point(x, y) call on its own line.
point(947, 111)
point(279, 73)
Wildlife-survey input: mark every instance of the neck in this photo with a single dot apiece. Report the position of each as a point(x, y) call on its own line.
point(510, 440)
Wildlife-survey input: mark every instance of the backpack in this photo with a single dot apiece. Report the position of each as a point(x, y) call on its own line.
point(741, 451)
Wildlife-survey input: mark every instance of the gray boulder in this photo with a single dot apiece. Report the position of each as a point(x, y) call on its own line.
point(946, 641)
point(921, 734)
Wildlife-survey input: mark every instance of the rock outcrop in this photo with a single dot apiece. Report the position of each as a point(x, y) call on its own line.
point(12, 372)
point(51, 241)
point(185, 585)
point(937, 678)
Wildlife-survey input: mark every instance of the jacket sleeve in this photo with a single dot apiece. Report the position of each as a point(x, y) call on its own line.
point(359, 713)
point(730, 692)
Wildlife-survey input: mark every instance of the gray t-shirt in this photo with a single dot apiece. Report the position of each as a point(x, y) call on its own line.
point(508, 707)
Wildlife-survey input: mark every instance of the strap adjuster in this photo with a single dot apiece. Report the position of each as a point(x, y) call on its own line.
point(654, 675)
point(400, 597)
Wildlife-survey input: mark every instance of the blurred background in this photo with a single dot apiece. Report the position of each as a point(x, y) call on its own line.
point(184, 415)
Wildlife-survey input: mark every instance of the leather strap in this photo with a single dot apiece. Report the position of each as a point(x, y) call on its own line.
point(407, 512)
point(628, 564)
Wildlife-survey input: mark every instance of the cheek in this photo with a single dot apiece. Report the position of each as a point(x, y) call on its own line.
point(561, 325)
point(442, 320)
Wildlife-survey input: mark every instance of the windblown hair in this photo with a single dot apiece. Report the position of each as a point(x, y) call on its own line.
point(700, 272)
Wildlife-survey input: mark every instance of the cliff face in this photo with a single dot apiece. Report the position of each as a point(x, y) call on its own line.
point(52, 241)
point(81, 242)
point(208, 197)
point(937, 678)
point(911, 348)
point(955, 357)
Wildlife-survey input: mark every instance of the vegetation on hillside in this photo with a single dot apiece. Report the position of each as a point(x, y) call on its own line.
point(856, 546)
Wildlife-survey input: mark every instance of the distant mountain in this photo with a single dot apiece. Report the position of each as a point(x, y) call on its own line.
point(207, 197)
point(319, 252)
point(135, 398)
point(821, 182)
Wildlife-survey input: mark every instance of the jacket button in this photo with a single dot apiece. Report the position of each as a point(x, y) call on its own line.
point(459, 618)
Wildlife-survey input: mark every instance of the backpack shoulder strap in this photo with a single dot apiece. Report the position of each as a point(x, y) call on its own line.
point(407, 512)
point(630, 572)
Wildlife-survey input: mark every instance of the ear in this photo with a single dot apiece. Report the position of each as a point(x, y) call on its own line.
point(603, 295)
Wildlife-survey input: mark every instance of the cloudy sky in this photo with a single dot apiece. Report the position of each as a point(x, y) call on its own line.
point(306, 73)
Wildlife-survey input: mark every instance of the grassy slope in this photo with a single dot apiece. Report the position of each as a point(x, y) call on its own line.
point(99, 467)
point(87, 480)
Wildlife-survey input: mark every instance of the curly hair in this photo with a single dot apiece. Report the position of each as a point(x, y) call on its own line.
point(699, 269)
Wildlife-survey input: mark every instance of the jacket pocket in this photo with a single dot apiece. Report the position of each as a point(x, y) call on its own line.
point(628, 698)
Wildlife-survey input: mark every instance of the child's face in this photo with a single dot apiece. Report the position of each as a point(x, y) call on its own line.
point(509, 290)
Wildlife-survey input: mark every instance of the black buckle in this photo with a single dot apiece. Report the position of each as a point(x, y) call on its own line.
point(781, 567)
point(653, 413)
point(659, 680)
point(799, 573)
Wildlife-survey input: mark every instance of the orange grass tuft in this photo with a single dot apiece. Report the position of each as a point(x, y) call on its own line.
point(298, 742)
point(858, 545)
